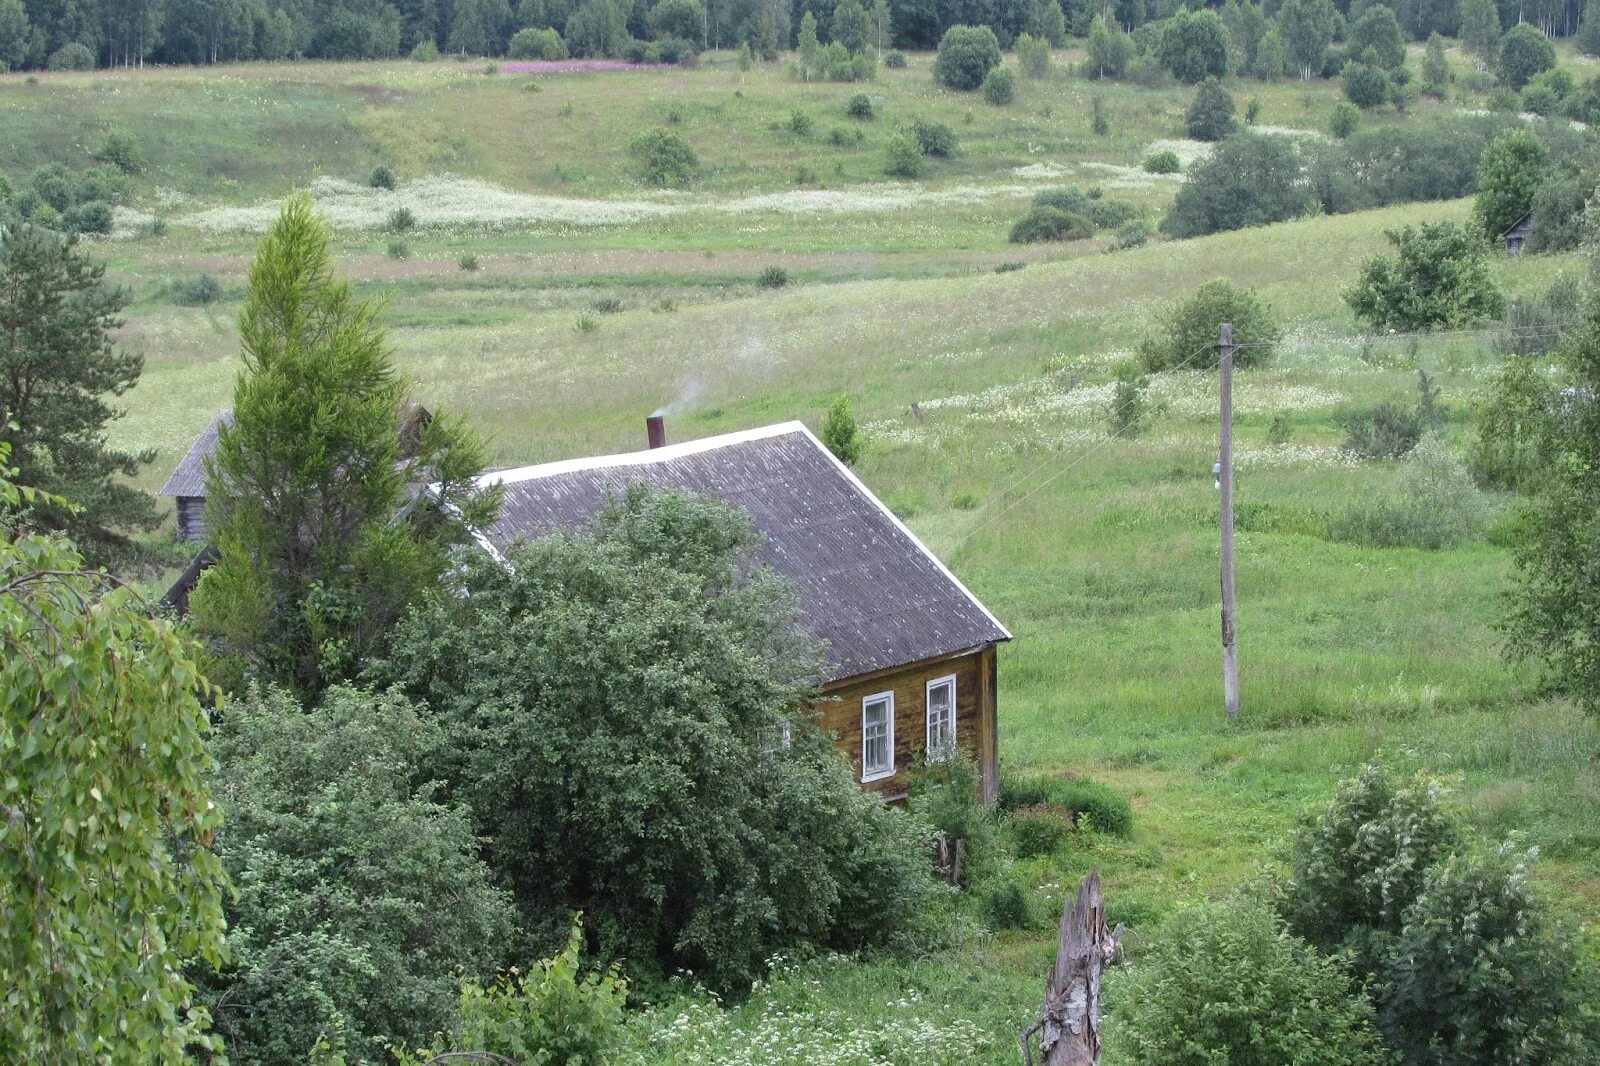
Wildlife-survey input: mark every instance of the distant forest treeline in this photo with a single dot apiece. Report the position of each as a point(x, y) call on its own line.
point(81, 33)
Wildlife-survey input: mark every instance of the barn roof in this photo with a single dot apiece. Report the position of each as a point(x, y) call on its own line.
point(189, 479)
point(867, 586)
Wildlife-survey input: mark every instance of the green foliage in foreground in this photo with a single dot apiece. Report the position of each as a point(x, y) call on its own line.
point(1554, 614)
point(1439, 279)
point(1187, 334)
point(307, 481)
point(108, 885)
point(360, 896)
point(554, 1016)
point(1104, 808)
point(619, 686)
point(1223, 982)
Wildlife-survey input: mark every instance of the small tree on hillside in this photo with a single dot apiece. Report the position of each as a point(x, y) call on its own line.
point(966, 55)
point(1194, 46)
point(1438, 279)
point(1480, 30)
point(108, 886)
point(58, 370)
point(1377, 32)
point(320, 546)
point(839, 431)
point(1524, 52)
point(1509, 174)
point(1187, 335)
point(1210, 116)
point(1033, 56)
point(1249, 179)
point(1110, 49)
point(1269, 61)
point(852, 26)
point(1307, 29)
point(807, 44)
point(1435, 67)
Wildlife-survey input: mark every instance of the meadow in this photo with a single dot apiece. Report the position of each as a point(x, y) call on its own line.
point(984, 398)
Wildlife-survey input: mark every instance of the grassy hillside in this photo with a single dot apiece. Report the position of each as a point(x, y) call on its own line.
point(596, 301)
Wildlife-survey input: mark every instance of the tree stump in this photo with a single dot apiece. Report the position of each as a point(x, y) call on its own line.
point(1069, 1022)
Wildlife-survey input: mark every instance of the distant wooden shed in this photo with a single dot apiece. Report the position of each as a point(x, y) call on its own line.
point(1518, 234)
point(187, 485)
point(910, 651)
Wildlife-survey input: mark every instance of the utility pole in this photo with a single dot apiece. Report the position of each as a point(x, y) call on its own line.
point(1230, 654)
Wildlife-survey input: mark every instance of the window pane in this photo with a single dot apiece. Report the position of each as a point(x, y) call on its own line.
point(876, 756)
point(941, 718)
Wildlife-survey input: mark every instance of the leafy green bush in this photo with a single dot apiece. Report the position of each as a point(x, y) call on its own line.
point(894, 60)
point(1436, 505)
point(665, 159)
point(1249, 179)
point(1003, 903)
point(1033, 55)
point(401, 220)
point(800, 124)
point(1163, 161)
point(946, 794)
point(1106, 809)
point(426, 51)
point(839, 431)
point(196, 291)
point(1187, 333)
point(1223, 983)
point(1511, 449)
point(468, 262)
point(340, 853)
point(773, 277)
point(1036, 831)
point(1130, 235)
point(1344, 120)
point(1387, 431)
point(531, 43)
point(398, 249)
point(934, 138)
point(716, 855)
point(71, 56)
point(1366, 86)
point(1050, 224)
point(382, 178)
point(606, 305)
point(91, 216)
point(1210, 116)
point(122, 152)
point(966, 55)
point(903, 156)
point(1128, 407)
point(1479, 974)
point(1439, 278)
point(1509, 175)
point(1524, 53)
point(999, 86)
point(860, 106)
point(555, 1015)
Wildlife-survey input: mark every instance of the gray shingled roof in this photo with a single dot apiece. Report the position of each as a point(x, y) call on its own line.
point(867, 586)
point(189, 479)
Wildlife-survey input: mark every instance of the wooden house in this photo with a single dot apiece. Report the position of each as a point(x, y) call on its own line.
point(187, 485)
point(910, 652)
point(1518, 234)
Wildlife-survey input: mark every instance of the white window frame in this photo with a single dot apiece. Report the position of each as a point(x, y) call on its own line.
point(939, 753)
point(776, 739)
point(886, 698)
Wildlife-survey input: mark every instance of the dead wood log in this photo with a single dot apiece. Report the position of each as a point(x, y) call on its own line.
point(1069, 1021)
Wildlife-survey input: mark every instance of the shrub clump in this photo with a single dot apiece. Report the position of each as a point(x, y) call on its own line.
point(197, 291)
point(1186, 335)
point(71, 56)
point(401, 220)
point(1439, 278)
point(966, 55)
point(903, 156)
point(894, 60)
point(1436, 505)
point(382, 177)
point(840, 432)
point(860, 106)
point(1210, 116)
point(772, 277)
point(1344, 120)
point(1102, 807)
point(1050, 224)
point(1223, 982)
point(665, 159)
point(1163, 161)
point(999, 86)
point(934, 138)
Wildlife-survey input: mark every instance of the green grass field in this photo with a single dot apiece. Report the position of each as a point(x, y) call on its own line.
point(1099, 552)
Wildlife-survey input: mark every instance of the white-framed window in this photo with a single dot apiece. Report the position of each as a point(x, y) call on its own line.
point(877, 736)
point(941, 717)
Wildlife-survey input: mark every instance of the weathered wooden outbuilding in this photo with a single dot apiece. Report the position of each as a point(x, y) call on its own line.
point(1518, 234)
point(910, 651)
point(187, 485)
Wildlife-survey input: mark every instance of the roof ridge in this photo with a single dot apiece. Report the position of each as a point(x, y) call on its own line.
point(639, 458)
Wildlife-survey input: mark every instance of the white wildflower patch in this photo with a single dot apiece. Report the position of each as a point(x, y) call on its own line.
point(1124, 177)
point(437, 201)
point(1291, 455)
point(1292, 131)
point(127, 222)
point(869, 199)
